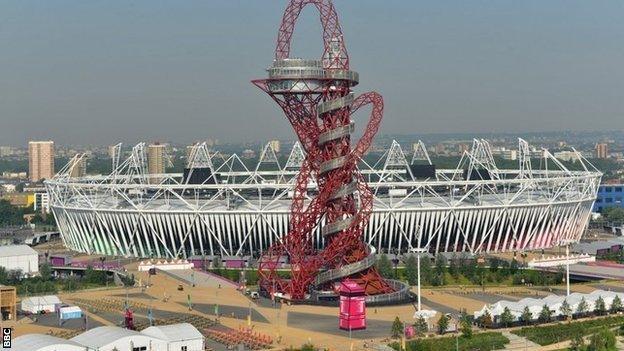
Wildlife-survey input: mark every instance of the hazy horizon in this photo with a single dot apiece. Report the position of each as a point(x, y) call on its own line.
point(99, 72)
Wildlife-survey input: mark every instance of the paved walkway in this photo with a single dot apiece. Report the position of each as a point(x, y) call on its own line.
point(519, 343)
point(201, 279)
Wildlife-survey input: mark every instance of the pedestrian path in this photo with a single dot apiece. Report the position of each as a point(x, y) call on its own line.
point(199, 278)
point(519, 343)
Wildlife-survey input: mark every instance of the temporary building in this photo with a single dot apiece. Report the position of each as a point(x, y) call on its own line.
point(36, 304)
point(22, 257)
point(42, 342)
point(108, 338)
point(70, 312)
point(181, 336)
point(553, 302)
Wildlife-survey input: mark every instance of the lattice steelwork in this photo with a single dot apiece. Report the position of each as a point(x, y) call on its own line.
point(247, 210)
point(316, 98)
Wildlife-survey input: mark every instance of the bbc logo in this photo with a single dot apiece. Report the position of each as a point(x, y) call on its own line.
point(6, 338)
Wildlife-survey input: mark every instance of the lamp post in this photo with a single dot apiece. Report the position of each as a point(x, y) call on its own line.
point(418, 252)
point(567, 243)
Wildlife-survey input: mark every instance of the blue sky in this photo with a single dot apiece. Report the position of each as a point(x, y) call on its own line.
point(105, 71)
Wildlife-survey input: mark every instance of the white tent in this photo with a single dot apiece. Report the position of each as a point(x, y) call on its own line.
point(108, 338)
point(178, 336)
point(42, 342)
point(554, 303)
point(35, 304)
point(21, 257)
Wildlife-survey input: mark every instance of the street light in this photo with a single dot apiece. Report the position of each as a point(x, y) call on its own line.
point(418, 252)
point(567, 243)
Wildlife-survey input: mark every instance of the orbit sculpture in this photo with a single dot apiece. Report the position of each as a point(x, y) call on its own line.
point(317, 100)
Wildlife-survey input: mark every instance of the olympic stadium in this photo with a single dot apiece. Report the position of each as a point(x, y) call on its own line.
point(218, 206)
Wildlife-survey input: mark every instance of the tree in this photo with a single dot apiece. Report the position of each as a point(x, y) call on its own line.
point(397, 328)
point(577, 343)
point(421, 326)
point(216, 262)
point(45, 271)
point(92, 276)
point(486, 320)
point(454, 267)
point(565, 309)
point(4, 276)
point(440, 270)
point(545, 314)
point(513, 266)
point(127, 280)
point(426, 271)
point(15, 275)
point(466, 326)
point(506, 317)
point(600, 307)
point(384, 266)
point(468, 266)
point(411, 270)
point(443, 324)
point(604, 340)
point(616, 305)
point(494, 264)
point(71, 284)
point(582, 307)
point(9, 214)
point(614, 214)
point(526, 315)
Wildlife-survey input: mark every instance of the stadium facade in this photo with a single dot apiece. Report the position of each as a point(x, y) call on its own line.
point(218, 206)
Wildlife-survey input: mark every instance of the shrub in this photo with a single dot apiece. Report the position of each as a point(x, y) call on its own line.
point(550, 334)
point(480, 341)
point(604, 340)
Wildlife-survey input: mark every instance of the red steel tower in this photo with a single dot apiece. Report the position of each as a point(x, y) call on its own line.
point(317, 100)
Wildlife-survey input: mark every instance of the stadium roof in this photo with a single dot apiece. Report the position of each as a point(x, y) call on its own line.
point(173, 332)
point(36, 342)
point(16, 250)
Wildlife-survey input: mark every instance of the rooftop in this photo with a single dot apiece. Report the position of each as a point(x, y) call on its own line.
point(173, 332)
point(101, 336)
point(35, 342)
point(16, 250)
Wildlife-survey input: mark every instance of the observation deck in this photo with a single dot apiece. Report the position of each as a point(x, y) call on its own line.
point(294, 75)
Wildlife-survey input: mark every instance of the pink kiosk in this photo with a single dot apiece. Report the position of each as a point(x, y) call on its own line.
point(352, 306)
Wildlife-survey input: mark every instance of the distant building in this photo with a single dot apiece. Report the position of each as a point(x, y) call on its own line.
point(20, 199)
point(42, 202)
point(602, 150)
point(111, 151)
point(79, 169)
point(14, 175)
point(505, 154)
point(6, 151)
point(40, 160)
point(609, 195)
point(248, 154)
point(22, 257)
point(568, 156)
point(156, 158)
point(275, 145)
point(440, 149)
point(461, 148)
